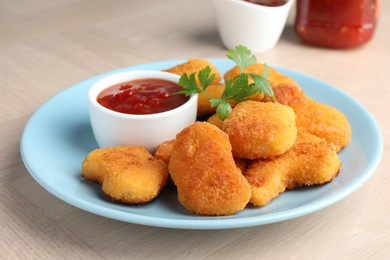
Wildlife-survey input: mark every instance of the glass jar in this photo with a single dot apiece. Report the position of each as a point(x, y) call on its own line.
point(336, 23)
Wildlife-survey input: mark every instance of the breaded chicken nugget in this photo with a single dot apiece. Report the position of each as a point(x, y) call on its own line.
point(314, 117)
point(214, 90)
point(274, 77)
point(128, 174)
point(311, 161)
point(260, 130)
point(203, 169)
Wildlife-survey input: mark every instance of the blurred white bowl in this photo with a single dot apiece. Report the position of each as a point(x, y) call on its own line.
point(113, 128)
point(254, 26)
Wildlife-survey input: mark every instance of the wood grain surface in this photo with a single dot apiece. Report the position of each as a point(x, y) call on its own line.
point(47, 46)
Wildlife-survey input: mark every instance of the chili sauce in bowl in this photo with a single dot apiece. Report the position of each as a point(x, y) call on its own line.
point(142, 96)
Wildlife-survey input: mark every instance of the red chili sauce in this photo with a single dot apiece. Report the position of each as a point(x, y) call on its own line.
point(336, 23)
point(143, 96)
point(267, 2)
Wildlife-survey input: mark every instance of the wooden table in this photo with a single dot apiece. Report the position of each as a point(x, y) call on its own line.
point(47, 46)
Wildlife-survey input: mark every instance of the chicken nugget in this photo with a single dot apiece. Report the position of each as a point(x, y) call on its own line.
point(311, 161)
point(128, 174)
point(204, 172)
point(260, 130)
point(314, 117)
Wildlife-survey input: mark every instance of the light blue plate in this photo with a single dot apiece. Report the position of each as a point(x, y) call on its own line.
point(58, 137)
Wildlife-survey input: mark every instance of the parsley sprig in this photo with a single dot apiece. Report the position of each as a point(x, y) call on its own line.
point(237, 89)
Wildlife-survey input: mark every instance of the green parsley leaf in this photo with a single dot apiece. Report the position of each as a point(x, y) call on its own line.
point(237, 89)
point(215, 101)
point(205, 79)
point(189, 84)
point(261, 83)
point(242, 57)
point(265, 71)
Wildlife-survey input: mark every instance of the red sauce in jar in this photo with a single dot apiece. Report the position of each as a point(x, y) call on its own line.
point(267, 2)
point(143, 96)
point(336, 23)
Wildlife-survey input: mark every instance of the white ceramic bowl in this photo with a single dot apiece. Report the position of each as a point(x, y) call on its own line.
point(113, 128)
point(254, 26)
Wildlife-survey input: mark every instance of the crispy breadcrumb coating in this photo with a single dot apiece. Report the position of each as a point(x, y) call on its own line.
point(314, 117)
point(311, 161)
point(164, 152)
point(128, 174)
point(260, 130)
point(203, 169)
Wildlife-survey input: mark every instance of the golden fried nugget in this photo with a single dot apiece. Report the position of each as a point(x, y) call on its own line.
point(260, 130)
point(274, 77)
point(215, 120)
point(311, 161)
point(314, 117)
point(128, 174)
point(203, 169)
point(195, 65)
